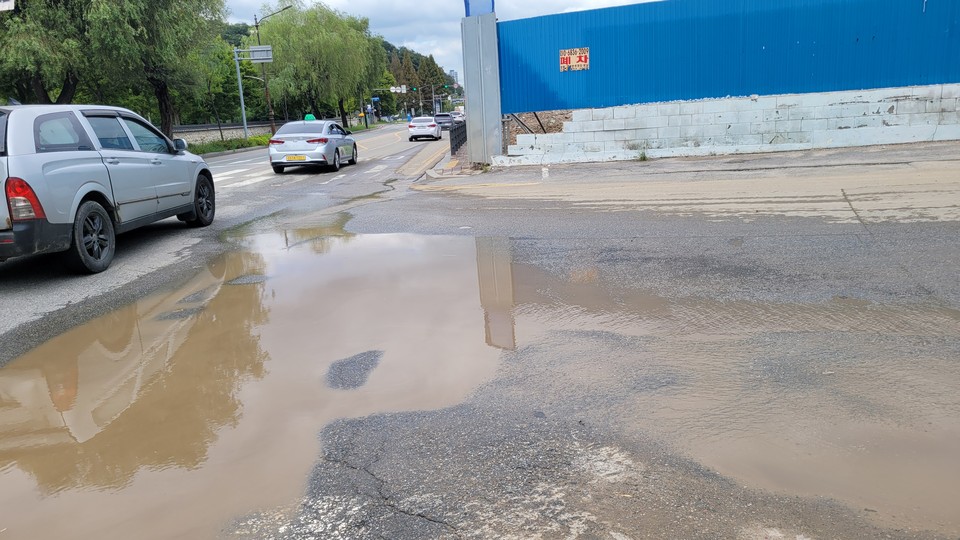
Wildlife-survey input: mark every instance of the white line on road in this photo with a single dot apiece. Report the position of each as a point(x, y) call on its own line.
point(228, 174)
point(376, 169)
point(337, 177)
point(249, 181)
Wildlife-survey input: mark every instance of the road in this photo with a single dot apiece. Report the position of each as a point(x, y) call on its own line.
point(46, 300)
point(745, 347)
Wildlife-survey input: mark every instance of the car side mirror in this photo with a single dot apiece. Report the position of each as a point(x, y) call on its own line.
point(349, 132)
point(180, 145)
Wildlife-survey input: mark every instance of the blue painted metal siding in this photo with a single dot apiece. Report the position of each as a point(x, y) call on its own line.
point(690, 49)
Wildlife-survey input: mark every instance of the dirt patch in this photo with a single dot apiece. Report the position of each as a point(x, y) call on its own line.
point(540, 122)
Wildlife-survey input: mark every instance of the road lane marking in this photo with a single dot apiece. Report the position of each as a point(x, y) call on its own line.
point(248, 182)
point(337, 177)
point(376, 169)
point(395, 134)
point(228, 174)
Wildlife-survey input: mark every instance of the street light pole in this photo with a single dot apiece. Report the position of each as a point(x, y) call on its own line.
point(263, 69)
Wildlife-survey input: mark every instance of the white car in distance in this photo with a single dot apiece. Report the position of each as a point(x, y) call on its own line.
point(424, 126)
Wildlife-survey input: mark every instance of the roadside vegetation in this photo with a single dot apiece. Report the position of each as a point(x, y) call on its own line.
point(254, 141)
point(229, 144)
point(172, 61)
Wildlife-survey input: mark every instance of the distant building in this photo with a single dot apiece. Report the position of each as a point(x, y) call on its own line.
point(453, 74)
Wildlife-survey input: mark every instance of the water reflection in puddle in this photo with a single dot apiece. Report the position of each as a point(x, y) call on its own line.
point(847, 399)
point(169, 417)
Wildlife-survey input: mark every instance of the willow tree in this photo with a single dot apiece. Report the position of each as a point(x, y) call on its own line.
point(45, 49)
point(151, 39)
point(321, 55)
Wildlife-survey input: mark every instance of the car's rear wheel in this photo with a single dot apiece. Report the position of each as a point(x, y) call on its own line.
point(335, 165)
point(94, 239)
point(411, 139)
point(204, 203)
point(278, 169)
point(353, 158)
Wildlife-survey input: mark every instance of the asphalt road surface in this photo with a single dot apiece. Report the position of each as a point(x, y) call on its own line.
point(746, 347)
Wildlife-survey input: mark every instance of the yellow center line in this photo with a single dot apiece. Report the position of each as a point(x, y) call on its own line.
point(396, 136)
point(435, 156)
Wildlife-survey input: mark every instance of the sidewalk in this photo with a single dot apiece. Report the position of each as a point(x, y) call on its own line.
point(452, 166)
point(910, 182)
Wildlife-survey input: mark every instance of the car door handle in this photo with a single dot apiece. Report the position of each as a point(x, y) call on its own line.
point(111, 161)
point(156, 161)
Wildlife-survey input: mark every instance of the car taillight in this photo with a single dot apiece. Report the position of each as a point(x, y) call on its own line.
point(433, 125)
point(411, 126)
point(321, 140)
point(276, 141)
point(22, 200)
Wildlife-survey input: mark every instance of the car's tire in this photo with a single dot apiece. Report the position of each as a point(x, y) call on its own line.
point(335, 166)
point(411, 139)
point(94, 240)
point(277, 169)
point(353, 158)
point(204, 203)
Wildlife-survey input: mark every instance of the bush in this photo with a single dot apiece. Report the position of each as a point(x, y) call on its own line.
point(229, 144)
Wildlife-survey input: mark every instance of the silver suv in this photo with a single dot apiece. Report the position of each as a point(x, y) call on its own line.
point(74, 176)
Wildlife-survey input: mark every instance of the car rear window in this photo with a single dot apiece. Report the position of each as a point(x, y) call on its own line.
point(3, 133)
point(422, 120)
point(301, 128)
point(442, 115)
point(59, 132)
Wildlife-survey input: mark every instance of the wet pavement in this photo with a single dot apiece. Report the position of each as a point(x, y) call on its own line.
point(318, 383)
point(762, 347)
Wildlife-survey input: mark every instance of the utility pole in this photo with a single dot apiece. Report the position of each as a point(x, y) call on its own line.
point(263, 69)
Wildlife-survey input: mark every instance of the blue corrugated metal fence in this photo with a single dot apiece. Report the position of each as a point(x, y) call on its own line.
point(690, 49)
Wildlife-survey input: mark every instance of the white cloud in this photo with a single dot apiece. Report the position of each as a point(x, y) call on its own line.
point(429, 26)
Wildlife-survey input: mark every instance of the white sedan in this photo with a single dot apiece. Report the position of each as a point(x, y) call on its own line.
point(424, 126)
point(311, 142)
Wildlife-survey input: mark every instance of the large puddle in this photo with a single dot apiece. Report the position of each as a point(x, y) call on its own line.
point(168, 418)
point(172, 416)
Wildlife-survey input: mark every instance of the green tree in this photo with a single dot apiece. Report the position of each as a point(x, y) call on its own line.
point(322, 57)
point(394, 64)
point(432, 78)
point(408, 76)
point(388, 100)
point(149, 39)
point(234, 34)
point(45, 49)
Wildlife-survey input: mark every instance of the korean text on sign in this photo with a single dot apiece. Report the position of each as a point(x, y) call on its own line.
point(575, 59)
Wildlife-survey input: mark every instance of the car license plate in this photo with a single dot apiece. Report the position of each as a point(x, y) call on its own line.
point(296, 158)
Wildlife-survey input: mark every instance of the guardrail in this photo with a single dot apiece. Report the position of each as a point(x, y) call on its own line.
point(458, 136)
point(214, 127)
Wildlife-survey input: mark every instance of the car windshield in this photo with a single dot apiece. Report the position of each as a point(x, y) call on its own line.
point(3, 133)
point(423, 120)
point(301, 127)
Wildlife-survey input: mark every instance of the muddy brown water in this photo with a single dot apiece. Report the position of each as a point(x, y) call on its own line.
point(172, 416)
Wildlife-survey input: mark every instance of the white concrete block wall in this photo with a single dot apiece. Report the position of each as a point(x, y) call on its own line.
point(747, 125)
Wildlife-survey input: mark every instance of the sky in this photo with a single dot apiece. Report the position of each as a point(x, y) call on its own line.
point(426, 26)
